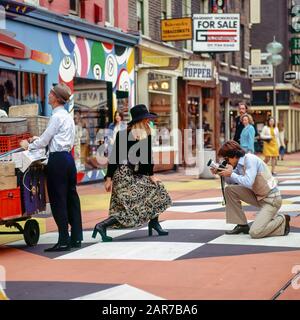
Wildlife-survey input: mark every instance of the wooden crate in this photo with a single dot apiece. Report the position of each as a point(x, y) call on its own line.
point(37, 125)
point(13, 125)
point(24, 110)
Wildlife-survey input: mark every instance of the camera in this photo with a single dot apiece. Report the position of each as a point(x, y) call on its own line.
point(218, 166)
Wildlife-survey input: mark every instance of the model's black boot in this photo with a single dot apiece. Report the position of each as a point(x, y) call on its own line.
point(154, 224)
point(101, 228)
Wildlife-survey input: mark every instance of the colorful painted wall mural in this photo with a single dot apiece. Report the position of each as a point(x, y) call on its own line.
point(97, 60)
point(35, 63)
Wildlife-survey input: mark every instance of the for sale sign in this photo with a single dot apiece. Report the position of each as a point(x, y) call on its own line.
point(216, 32)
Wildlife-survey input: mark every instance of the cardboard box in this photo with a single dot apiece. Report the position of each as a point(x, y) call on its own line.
point(7, 168)
point(7, 183)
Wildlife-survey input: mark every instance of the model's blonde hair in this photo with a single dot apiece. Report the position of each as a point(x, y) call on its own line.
point(249, 117)
point(140, 130)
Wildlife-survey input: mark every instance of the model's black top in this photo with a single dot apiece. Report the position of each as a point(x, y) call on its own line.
point(137, 154)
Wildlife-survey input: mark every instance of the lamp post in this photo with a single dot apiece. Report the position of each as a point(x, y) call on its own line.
point(275, 59)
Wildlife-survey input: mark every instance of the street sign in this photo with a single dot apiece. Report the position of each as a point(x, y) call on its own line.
point(295, 59)
point(295, 43)
point(216, 32)
point(176, 29)
point(290, 76)
point(261, 71)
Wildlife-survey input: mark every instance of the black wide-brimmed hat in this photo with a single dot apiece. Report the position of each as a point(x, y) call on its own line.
point(140, 112)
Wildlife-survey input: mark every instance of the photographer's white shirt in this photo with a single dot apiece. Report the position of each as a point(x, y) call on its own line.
point(248, 167)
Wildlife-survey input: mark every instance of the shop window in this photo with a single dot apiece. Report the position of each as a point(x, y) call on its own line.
point(92, 115)
point(194, 114)
point(17, 88)
point(208, 118)
point(122, 104)
point(160, 101)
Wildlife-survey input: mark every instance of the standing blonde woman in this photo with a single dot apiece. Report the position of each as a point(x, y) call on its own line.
point(247, 134)
point(270, 135)
point(137, 195)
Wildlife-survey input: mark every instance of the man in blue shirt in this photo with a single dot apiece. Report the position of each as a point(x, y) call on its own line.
point(249, 180)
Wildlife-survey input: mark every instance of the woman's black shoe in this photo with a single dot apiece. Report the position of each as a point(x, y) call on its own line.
point(101, 228)
point(154, 224)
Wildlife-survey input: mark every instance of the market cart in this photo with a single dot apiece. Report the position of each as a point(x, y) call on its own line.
point(23, 202)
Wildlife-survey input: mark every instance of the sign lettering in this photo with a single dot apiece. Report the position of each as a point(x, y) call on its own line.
point(216, 32)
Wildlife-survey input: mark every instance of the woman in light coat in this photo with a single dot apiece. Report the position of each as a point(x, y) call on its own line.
point(270, 135)
point(247, 134)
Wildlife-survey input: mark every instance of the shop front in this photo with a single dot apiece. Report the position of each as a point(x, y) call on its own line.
point(157, 74)
point(233, 90)
point(96, 63)
point(197, 96)
point(287, 111)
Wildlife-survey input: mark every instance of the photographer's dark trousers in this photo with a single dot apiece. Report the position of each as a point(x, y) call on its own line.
point(267, 223)
point(64, 200)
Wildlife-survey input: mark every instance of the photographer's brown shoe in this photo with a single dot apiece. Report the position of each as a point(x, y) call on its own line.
point(239, 229)
point(287, 225)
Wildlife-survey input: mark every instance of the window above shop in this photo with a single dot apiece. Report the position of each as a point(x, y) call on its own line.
point(266, 97)
point(74, 7)
point(140, 16)
point(109, 12)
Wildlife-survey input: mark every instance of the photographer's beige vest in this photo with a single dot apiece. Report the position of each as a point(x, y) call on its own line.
point(263, 183)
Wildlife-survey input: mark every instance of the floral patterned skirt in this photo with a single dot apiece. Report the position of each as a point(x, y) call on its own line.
point(136, 199)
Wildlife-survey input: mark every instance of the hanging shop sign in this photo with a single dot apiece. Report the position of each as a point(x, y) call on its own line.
point(197, 70)
point(295, 43)
point(290, 76)
point(261, 71)
point(176, 29)
point(216, 32)
point(295, 13)
point(295, 59)
point(234, 87)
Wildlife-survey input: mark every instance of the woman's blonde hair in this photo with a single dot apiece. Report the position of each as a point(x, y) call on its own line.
point(249, 117)
point(140, 130)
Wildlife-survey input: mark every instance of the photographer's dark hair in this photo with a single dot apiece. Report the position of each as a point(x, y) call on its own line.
point(231, 149)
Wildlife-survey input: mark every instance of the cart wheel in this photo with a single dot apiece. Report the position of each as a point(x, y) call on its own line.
point(31, 232)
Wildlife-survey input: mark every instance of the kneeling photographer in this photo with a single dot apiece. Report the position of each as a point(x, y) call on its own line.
point(250, 180)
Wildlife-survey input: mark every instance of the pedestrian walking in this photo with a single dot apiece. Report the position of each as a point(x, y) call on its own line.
point(270, 136)
point(250, 180)
point(137, 195)
point(282, 140)
point(247, 134)
point(61, 171)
